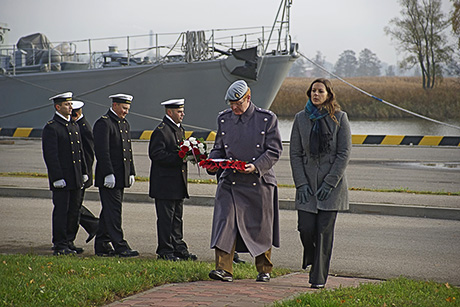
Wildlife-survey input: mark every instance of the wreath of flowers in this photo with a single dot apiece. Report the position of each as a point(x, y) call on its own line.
point(223, 164)
point(193, 150)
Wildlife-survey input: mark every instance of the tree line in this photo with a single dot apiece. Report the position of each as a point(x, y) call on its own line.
point(423, 34)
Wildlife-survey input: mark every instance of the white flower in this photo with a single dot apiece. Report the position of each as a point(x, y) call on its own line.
point(200, 146)
point(192, 139)
point(186, 143)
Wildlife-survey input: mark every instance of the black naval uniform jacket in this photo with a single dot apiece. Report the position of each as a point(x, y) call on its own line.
point(87, 140)
point(62, 152)
point(168, 172)
point(112, 146)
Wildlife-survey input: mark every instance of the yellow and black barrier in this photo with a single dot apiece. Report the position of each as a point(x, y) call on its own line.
point(357, 139)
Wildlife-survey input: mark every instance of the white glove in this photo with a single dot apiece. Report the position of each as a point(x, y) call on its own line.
point(85, 178)
point(109, 181)
point(59, 184)
point(131, 180)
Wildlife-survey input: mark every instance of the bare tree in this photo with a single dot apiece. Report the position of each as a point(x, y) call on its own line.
point(454, 65)
point(455, 20)
point(421, 33)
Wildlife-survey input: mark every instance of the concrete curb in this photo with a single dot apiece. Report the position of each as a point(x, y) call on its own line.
point(358, 208)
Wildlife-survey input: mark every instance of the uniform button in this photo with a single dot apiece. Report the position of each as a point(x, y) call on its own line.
point(233, 182)
point(257, 145)
point(223, 133)
point(231, 158)
point(222, 120)
point(119, 121)
point(124, 159)
point(253, 159)
point(70, 133)
point(73, 152)
point(254, 184)
point(73, 162)
point(121, 131)
point(78, 142)
point(71, 143)
point(234, 171)
point(226, 146)
point(76, 132)
point(129, 141)
point(265, 119)
point(124, 149)
point(182, 171)
point(126, 131)
point(262, 132)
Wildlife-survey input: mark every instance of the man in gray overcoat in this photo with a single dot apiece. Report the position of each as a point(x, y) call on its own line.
point(246, 217)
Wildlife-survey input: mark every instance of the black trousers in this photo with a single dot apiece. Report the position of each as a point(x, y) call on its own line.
point(317, 236)
point(87, 219)
point(110, 230)
point(170, 227)
point(65, 217)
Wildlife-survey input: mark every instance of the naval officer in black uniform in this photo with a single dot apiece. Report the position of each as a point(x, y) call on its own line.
point(168, 182)
point(87, 219)
point(114, 172)
point(62, 152)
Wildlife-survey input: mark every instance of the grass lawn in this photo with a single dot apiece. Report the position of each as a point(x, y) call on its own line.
point(32, 280)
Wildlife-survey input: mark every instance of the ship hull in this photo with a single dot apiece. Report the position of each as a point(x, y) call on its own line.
point(24, 98)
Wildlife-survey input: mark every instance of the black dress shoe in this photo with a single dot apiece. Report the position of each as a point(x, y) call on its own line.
point(64, 251)
point(186, 256)
point(237, 259)
point(78, 250)
point(168, 257)
point(128, 253)
point(106, 253)
point(264, 277)
point(317, 286)
point(220, 275)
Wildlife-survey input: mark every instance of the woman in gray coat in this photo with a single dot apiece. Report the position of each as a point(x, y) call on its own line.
point(320, 150)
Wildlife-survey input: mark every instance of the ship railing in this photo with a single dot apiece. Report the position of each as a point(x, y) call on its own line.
point(190, 46)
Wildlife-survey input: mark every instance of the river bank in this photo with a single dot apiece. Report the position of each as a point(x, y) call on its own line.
point(441, 103)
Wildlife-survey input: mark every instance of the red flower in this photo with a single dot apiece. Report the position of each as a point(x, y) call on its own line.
point(182, 154)
point(196, 151)
point(183, 148)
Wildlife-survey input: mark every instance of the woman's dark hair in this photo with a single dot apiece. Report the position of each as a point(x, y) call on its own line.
point(331, 104)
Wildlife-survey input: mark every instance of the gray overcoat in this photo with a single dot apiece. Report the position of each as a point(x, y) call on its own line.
point(247, 204)
point(329, 167)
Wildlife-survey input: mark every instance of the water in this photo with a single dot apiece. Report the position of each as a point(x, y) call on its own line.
point(412, 126)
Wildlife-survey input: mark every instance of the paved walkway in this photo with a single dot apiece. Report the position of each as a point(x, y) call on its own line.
point(246, 292)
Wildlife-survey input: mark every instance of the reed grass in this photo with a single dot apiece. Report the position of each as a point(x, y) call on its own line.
point(441, 103)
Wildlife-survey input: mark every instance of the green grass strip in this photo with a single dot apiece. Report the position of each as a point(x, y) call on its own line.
point(395, 292)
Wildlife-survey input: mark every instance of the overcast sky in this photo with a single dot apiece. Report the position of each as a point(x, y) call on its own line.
point(330, 26)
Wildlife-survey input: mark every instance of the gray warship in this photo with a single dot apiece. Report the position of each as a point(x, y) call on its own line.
point(195, 65)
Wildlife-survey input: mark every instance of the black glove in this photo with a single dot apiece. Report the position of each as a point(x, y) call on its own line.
point(324, 191)
point(303, 193)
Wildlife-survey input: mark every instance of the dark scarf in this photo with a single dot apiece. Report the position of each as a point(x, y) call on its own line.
point(320, 134)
